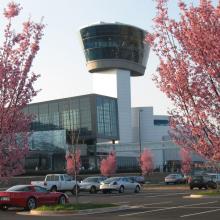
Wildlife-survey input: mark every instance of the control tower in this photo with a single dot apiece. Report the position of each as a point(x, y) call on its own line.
point(119, 49)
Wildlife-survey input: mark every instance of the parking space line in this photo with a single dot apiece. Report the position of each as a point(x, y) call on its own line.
point(157, 203)
point(199, 213)
point(149, 196)
point(167, 208)
point(121, 202)
point(168, 194)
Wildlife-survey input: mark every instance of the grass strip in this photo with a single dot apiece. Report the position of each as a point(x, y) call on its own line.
point(72, 207)
point(208, 193)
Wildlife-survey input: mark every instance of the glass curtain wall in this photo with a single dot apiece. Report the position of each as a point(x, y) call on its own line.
point(107, 122)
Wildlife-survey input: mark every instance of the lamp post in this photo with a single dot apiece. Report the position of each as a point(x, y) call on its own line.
point(139, 132)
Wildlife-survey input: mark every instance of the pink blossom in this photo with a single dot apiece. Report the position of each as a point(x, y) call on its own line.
point(12, 10)
point(146, 162)
point(34, 48)
point(108, 165)
point(73, 162)
point(186, 161)
point(188, 73)
point(17, 82)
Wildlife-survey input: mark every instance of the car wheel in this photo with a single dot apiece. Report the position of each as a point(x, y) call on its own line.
point(53, 189)
point(137, 189)
point(62, 200)
point(212, 185)
point(93, 189)
point(31, 203)
point(121, 189)
point(104, 191)
point(4, 207)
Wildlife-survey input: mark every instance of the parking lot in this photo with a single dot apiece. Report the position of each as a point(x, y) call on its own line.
point(160, 203)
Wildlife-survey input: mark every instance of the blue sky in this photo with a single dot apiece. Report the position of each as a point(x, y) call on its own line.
point(60, 60)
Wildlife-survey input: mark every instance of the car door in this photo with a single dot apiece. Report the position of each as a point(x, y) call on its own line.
point(43, 195)
point(127, 184)
point(133, 183)
point(179, 178)
point(69, 182)
point(64, 182)
point(21, 194)
point(218, 178)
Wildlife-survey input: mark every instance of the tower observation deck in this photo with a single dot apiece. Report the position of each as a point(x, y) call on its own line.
point(115, 45)
point(116, 48)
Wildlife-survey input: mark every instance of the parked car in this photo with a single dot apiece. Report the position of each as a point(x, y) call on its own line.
point(202, 182)
point(174, 178)
point(120, 184)
point(138, 179)
point(30, 197)
point(58, 182)
point(91, 184)
point(215, 177)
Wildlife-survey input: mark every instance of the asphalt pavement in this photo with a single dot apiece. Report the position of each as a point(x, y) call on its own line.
point(152, 204)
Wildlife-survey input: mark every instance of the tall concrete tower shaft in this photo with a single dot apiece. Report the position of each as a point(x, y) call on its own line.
point(115, 48)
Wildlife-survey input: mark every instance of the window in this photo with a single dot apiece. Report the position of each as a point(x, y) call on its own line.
point(52, 178)
point(19, 189)
point(113, 41)
point(106, 111)
point(67, 178)
point(40, 189)
point(161, 122)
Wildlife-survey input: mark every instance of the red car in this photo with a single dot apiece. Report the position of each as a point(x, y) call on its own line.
point(30, 197)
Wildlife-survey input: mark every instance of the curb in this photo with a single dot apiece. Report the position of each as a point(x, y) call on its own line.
point(80, 212)
point(195, 196)
point(50, 213)
point(165, 187)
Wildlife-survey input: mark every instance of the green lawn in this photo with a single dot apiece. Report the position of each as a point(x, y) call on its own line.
point(71, 207)
point(208, 193)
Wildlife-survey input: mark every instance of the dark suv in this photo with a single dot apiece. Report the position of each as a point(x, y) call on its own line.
point(202, 182)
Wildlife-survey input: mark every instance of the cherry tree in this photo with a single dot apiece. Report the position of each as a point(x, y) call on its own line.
point(108, 165)
point(146, 162)
point(73, 162)
point(186, 161)
point(17, 53)
point(189, 73)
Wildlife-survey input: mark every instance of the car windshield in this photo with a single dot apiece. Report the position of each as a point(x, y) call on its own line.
point(109, 180)
point(52, 178)
point(18, 188)
point(197, 178)
point(172, 176)
point(90, 179)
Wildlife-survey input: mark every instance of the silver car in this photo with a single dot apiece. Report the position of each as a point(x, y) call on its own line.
point(91, 184)
point(174, 178)
point(120, 184)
